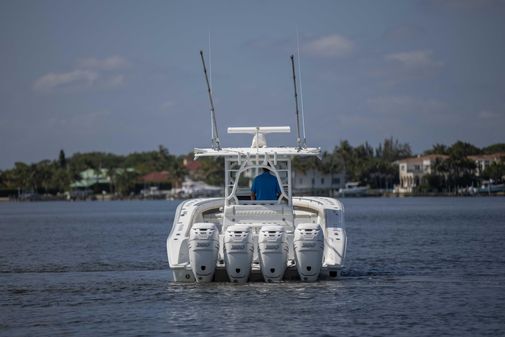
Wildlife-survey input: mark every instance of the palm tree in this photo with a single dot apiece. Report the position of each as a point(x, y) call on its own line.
point(344, 154)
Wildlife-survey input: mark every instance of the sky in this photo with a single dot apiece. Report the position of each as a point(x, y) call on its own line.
point(126, 76)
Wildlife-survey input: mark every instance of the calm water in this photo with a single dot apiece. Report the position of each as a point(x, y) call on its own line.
point(415, 266)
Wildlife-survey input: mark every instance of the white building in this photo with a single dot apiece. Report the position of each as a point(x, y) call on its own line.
point(412, 171)
point(484, 160)
point(315, 180)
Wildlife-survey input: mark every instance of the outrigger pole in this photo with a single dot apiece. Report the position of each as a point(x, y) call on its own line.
point(215, 136)
point(304, 141)
point(298, 138)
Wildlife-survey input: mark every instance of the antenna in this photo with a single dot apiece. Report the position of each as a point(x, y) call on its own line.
point(210, 62)
point(298, 139)
point(215, 136)
point(304, 143)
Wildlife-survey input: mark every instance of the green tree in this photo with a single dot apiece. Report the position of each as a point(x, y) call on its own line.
point(62, 159)
point(41, 176)
point(495, 171)
point(461, 149)
point(179, 171)
point(21, 177)
point(305, 164)
point(438, 149)
point(391, 150)
point(61, 180)
point(211, 171)
point(344, 153)
point(125, 180)
point(459, 171)
point(495, 148)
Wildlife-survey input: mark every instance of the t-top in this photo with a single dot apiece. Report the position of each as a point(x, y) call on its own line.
point(266, 187)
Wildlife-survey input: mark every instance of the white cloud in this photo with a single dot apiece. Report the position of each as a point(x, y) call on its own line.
point(76, 77)
point(109, 63)
point(415, 59)
point(91, 72)
point(486, 114)
point(329, 46)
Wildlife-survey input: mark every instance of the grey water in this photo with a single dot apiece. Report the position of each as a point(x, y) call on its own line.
point(414, 267)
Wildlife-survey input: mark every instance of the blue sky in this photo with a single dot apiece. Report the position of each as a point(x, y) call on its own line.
point(124, 76)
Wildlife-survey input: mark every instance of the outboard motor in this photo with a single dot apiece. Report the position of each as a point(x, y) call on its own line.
point(203, 249)
point(273, 249)
point(238, 252)
point(309, 248)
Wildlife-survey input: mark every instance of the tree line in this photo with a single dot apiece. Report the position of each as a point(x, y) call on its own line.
point(456, 170)
point(56, 176)
point(373, 166)
point(378, 167)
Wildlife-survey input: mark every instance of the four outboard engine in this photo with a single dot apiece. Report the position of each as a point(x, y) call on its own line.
point(309, 248)
point(238, 252)
point(273, 247)
point(273, 251)
point(203, 250)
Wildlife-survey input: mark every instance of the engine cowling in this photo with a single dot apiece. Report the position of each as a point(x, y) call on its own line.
point(238, 252)
point(273, 252)
point(203, 247)
point(309, 247)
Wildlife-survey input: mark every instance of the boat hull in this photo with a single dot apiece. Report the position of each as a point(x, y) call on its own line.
point(256, 261)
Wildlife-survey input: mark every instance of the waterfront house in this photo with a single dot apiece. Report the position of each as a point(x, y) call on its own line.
point(156, 184)
point(413, 170)
point(91, 178)
point(313, 180)
point(99, 180)
point(485, 160)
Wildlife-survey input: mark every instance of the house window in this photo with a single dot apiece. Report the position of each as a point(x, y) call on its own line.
point(322, 181)
point(313, 181)
point(335, 181)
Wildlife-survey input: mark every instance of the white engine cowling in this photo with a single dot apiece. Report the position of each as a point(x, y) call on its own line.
point(309, 248)
point(273, 251)
point(238, 252)
point(203, 250)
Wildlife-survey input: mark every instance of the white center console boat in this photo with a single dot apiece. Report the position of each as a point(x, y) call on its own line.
point(241, 240)
point(238, 239)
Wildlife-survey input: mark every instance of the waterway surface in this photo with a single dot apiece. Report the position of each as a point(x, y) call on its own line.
point(414, 267)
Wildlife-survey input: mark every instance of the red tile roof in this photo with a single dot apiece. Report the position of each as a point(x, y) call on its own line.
point(156, 177)
point(420, 159)
point(493, 156)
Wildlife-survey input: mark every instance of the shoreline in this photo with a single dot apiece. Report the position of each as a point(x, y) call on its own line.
point(101, 198)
